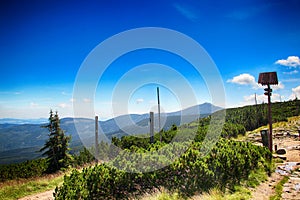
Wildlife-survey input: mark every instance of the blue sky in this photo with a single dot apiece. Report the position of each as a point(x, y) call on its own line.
point(43, 44)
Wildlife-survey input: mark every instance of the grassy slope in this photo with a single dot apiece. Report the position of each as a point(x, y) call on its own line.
point(20, 188)
point(292, 124)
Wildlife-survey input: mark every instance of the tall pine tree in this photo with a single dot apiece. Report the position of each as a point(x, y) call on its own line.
point(57, 145)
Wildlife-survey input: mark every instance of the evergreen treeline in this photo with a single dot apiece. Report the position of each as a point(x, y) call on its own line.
point(252, 117)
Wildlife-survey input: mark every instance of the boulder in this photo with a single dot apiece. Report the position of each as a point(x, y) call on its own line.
point(281, 151)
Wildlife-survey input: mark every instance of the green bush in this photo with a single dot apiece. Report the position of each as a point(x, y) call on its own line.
point(226, 165)
point(82, 158)
point(28, 169)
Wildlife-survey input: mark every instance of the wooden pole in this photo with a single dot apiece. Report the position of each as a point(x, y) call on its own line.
point(96, 139)
point(151, 127)
point(159, 127)
point(270, 119)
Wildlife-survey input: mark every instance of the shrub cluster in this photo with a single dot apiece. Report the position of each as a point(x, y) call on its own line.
point(26, 169)
point(227, 164)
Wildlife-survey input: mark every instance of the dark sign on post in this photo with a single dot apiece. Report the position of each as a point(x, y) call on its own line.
point(265, 137)
point(269, 78)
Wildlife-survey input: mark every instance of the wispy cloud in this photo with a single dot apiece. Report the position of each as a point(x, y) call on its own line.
point(291, 72)
point(291, 80)
point(186, 11)
point(291, 61)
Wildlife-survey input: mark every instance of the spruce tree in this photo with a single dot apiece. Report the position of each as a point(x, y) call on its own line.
point(57, 145)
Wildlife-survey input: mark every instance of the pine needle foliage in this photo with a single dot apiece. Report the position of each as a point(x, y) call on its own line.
point(57, 146)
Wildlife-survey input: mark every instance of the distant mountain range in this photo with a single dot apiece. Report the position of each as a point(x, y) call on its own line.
point(23, 121)
point(21, 139)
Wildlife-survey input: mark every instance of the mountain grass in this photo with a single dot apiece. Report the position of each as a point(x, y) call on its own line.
point(15, 189)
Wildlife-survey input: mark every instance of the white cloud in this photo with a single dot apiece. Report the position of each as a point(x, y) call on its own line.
point(257, 86)
point(295, 92)
point(138, 101)
point(292, 72)
point(291, 61)
point(249, 100)
point(243, 79)
point(72, 100)
point(278, 87)
point(246, 79)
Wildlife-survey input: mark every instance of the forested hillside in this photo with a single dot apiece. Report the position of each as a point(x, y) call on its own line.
point(252, 117)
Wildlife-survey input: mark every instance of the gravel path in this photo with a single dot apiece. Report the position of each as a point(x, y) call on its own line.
point(266, 189)
point(290, 168)
point(48, 195)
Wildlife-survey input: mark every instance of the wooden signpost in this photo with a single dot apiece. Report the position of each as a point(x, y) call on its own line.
point(269, 78)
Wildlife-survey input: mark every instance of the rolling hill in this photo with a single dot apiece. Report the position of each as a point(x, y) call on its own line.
point(21, 141)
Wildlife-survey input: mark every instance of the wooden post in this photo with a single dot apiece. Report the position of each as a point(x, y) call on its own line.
point(270, 119)
point(151, 127)
point(96, 139)
point(158, 102)
point(269, 78)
